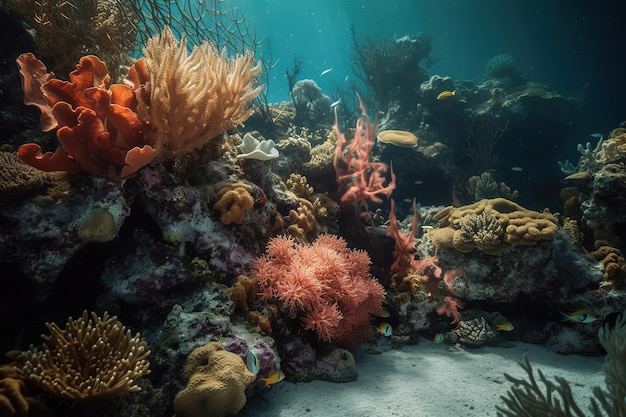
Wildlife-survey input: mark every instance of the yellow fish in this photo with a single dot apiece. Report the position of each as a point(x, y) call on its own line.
point(580, 316)
point(438, 338)
point(385, 329)
point(445, 94)
point(273, 378)
point(507, 326)
point(383, 313)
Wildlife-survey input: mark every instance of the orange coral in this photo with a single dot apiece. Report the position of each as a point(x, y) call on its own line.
point(233, 201)
point(98, 128)
point(325, 285)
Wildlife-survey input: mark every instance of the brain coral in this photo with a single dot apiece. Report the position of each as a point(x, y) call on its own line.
point(490, 224)
point(217, 380)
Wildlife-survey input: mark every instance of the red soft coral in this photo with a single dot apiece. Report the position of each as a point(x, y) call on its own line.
point(98, 128)
point(359, 178)
point(325, 286)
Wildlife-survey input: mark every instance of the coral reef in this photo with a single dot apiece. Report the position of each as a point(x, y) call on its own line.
point(358, 177)
point(233, 199)
point(98, 128)
point(216, 383)
point(194, 98)
point(18, 180)
point(91, 358)
point(325, 285)
point(490, 225)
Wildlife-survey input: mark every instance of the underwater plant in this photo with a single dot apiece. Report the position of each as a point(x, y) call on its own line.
point(503, 69)
point(527, 398)
point(391, 67)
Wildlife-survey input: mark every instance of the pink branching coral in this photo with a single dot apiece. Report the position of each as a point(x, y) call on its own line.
point(359, 178)
point(325, 286)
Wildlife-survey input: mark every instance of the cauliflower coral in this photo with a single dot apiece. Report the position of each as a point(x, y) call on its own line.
point(325, 286)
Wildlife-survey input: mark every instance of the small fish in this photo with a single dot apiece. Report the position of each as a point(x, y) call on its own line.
point(438, 338)
point(335, 104)
point(252, 362)
point(580, 316)
point(445, 94)
point(384, 329)
point(507, 326)
point(383, 313)
point(326, 71)
point(597, 135)
point(517, 169)
point(418, 182)
point(274, 378)
point(345, 80)
point(407, 200)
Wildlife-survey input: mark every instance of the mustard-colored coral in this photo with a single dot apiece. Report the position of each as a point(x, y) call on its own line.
point(614, 264)
point(233, 201)
point(491, 224)
point(216, 383)
point(91, 358)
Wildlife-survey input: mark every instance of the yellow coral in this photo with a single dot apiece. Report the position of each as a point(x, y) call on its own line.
point(216, 383)
point(488, 218)
point(233, 201)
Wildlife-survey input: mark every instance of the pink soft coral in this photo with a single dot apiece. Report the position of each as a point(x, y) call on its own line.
point(359, 178)
point(325, 286)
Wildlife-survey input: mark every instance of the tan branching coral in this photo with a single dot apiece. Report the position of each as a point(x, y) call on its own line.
point(305, 227)
point(216, 383)
point(490, 224)
point(298, 185)
point(233, 200)
point(90, 358)
point(195, 97)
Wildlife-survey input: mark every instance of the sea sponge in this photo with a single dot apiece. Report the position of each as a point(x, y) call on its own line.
point(401, 138)
point(217, 380)
point(233, 201)
point(614, 264)
point(490, 224)
point(98, 225)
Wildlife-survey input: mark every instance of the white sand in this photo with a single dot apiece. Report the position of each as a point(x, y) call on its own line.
point(426, 380)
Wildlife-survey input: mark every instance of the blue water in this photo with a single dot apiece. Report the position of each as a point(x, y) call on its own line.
point(570, 45)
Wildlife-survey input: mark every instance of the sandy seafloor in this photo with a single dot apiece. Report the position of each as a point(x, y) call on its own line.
point(427, 380)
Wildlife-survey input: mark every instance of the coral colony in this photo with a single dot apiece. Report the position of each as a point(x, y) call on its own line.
point(245, 255)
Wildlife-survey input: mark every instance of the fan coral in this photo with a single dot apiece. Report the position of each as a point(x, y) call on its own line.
point(195, 97)
point(325, 286)
point(91, 358)
point(98, 128)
